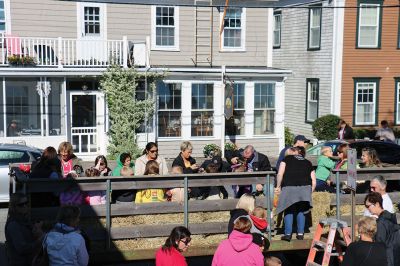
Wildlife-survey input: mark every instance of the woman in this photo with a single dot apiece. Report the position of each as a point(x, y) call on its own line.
point(366, 252)
point(21, 237)
point(344, 130)
point(239, 248)
point(184, 159)
point(342, 154)
point(245, 206)
point(295, 182)
point(170, 254)
point(150, 153)
point(49, 166)
point(369, 158)
point(101, 164)
point(69, 161)
point(150, 194)
point(65, 245)
point(124, 159)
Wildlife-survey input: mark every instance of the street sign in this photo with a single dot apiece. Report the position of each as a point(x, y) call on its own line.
point(352, 169)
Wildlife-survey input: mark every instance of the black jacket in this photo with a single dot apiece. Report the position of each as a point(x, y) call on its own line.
point(348, 133)
point(388, 232)
point(179, 162)
point(234, 215)
point(260, 161)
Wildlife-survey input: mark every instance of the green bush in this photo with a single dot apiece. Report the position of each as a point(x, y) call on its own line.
point(289, 137)
point(229, 146)
point(361, 133)
point(325, 127)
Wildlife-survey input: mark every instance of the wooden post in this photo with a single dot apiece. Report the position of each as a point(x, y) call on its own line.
point(108, 214)
point(186, 202)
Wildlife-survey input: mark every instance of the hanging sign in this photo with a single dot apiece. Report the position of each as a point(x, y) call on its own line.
point(352, 169)
point(228, 103)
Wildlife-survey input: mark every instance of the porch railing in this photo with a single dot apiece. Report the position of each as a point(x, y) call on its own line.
point(66, 52)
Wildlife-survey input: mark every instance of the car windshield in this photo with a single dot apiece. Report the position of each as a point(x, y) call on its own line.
point(316, 150)
point(9, 156)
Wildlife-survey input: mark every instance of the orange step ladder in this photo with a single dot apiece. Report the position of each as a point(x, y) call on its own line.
point(335, 227)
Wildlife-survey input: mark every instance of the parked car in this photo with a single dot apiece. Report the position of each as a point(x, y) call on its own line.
point(14, 153)
point(388, 153)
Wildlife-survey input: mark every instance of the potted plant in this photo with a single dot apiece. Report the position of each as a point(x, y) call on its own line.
point(21, 60)
point(211, 150)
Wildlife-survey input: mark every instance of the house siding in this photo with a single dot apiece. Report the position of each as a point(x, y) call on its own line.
point(365, 63)
point(293, 55)
point(43, 18)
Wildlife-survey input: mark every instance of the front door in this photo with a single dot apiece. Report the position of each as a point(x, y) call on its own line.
point(86, 120)
point(92, 35)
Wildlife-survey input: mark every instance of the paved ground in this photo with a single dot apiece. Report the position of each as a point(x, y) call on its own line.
point(3, 218)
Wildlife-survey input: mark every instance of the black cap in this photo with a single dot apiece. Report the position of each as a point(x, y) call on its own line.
point(301, 138)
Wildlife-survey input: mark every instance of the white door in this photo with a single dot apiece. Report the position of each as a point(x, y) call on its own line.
point(87, 122)
point(92, 34)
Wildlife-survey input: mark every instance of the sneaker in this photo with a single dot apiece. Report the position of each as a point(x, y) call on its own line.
point(286, 238)
point(300, 237)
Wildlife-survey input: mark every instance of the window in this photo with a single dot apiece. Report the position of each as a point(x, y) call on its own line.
point(10, 156)
point(92, 20)
point(368, 28)
point(202, 109)
point(264, 108)
point(22, 108)
point(397, 101)
point(277, 29)
point(235, 125)
point(55, 102)
point(314, 28)
point(234, 26)
point(170, 109)
point(142, 93)
point(312, 99)
point(2, 17)
point(365, 101)
point(165, 29)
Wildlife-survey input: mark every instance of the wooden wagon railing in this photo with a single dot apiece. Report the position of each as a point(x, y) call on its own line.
point(109, 210)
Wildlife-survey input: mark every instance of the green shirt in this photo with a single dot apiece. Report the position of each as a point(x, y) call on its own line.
point(325, 165)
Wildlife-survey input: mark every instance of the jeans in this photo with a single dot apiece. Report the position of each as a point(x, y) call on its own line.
point(290, 212)
point(323, 186)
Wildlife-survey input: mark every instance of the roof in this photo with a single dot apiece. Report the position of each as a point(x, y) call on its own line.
point(283, 3)
point(208, 3)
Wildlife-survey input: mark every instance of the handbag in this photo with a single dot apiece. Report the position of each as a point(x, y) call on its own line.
point(41, 258)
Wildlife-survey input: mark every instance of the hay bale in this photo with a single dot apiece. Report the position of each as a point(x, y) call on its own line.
point(320, 207)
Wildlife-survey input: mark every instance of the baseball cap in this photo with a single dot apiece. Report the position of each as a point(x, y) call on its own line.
point(301, 138)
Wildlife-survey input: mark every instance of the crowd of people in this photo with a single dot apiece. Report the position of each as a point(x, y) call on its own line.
point(296, 180)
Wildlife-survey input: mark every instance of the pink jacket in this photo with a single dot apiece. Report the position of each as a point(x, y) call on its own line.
point(238, 250)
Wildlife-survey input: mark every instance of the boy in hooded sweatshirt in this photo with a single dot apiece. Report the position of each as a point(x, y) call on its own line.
point(124, 159)
point(239, 249)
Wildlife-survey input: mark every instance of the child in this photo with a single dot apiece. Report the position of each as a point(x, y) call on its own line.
point(259, 219)
point(151, 194)
point(124, 160)
point(325, 165)
point(94, 197)
point(272, 261)
point(176, 194)
point(124, 195)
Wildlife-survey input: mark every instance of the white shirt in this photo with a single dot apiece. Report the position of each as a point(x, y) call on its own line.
point(387, 205)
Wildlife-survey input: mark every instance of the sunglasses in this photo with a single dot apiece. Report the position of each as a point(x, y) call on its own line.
point(153, 151)
point(186, 242)
point(23, 204)
point(102, 164)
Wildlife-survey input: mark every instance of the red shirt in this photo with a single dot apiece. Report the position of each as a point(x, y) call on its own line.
point(170, 257)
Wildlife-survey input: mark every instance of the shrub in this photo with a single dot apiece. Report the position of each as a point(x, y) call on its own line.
point(289, 137)
point(361, 133)
point(211, 150)
point(325, 127)
point(22, 60)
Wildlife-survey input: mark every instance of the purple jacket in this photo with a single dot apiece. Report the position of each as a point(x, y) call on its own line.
point(238, 250)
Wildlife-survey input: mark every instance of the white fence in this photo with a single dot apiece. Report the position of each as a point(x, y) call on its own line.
point(62, 52)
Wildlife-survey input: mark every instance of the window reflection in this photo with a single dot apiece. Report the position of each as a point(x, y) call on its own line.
point(264, 108)
point(202, 110)
point(235, 125)
point(169, 114)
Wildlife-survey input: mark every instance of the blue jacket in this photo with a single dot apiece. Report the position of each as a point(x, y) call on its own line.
point(66, 246)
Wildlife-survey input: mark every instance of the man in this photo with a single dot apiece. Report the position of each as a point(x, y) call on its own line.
point(254, 161)
point(299, 141)
point(387, 227)
point(378, 184)
point(385, 133)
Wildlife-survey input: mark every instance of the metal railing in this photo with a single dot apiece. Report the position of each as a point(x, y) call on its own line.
point(67, 52)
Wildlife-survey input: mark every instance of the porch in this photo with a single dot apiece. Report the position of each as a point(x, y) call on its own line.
point(16, 51)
